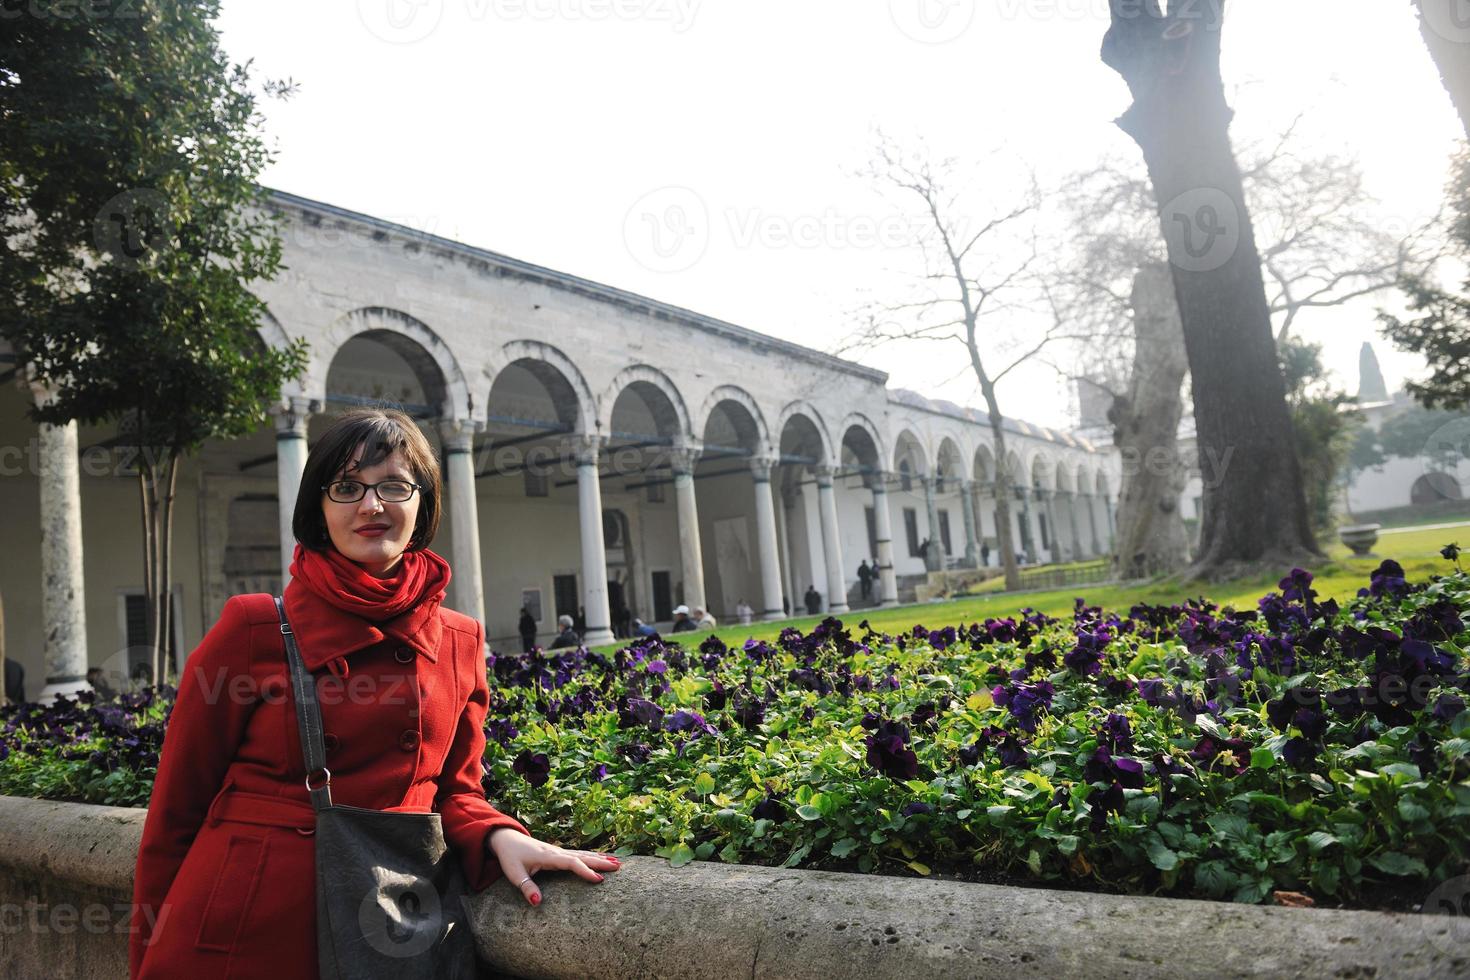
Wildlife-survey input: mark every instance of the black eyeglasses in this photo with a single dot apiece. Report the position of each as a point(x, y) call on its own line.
point(389, 491)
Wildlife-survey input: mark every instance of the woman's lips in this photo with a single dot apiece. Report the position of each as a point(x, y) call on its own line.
point(372, 531)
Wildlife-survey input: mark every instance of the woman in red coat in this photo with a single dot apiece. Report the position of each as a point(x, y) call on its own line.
point(225, 880)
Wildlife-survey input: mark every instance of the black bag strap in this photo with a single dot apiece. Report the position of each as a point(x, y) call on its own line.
point(308, 718)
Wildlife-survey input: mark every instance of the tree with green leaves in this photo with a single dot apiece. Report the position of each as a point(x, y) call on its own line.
point(134, 226)
point(1323, 422)
point(1440, 326)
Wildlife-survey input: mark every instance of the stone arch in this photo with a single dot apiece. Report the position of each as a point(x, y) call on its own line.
point(909, 448)
point(562, 379)
point(742, 398)
point(668, 410)
point(427, 355)
point(1064, 480)
point(858, 422)
point(949, 462)
point(802, 409)
point(1041, 471)
point(983, 466)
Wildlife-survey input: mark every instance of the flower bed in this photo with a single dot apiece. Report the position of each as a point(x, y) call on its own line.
point(1294, 748)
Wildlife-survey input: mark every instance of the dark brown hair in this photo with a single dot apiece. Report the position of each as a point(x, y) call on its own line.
point(381, 432)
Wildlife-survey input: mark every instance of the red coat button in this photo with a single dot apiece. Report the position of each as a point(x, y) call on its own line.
point(330, 742)
point(409, 740)
point(403, 655)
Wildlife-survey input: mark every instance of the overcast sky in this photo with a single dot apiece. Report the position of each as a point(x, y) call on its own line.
point(705, 152)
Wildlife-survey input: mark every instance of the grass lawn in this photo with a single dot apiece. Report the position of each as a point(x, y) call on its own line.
point(1338, 576)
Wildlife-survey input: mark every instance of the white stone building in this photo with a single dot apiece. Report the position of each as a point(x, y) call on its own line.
point(597, 446)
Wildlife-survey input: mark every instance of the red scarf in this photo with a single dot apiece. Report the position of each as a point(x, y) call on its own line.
point(337, 607)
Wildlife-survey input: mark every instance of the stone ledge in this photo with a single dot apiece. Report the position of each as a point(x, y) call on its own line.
point(714, 920)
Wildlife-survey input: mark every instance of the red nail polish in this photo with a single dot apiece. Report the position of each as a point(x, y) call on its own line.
point(599, 877)
point(536, 899)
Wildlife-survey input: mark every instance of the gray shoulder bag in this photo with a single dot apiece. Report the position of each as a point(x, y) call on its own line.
point(389, 892)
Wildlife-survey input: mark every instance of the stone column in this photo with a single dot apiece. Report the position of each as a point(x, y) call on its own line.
point(831, 542)
point(291, 415)
point(466, 584)
point(783, 541)
point(967, 511)
point(1071, 505)
point(883, 531)
point(594, 550)
point(1031, 528)
point(63, 595)
point(932, 516)
point(766, 543)
point(691, 556)
point(1048, 503)
point(1091, 508)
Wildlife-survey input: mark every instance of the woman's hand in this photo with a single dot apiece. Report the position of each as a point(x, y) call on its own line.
point(521, 856)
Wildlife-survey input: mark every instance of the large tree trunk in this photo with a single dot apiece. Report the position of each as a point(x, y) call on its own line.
point(1150, 537)
point(1255, 510)
point(1002, 472)
point(1446, 31)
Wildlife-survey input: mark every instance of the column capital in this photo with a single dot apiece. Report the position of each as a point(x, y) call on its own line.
point(683, 456)
point(587, 447)
point(458, 435)
point(825, 472)
point(291, 413)
point(761, 467)
point(878, 481)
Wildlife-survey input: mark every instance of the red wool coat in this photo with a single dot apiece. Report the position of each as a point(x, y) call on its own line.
point(225, 881)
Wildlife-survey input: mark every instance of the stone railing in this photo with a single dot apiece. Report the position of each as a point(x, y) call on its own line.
point(67, 871)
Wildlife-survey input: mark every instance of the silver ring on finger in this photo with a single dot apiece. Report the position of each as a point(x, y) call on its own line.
point(523, 881)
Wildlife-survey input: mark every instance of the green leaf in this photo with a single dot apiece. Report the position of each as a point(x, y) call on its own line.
point(808, 812)
point(703, 851)
point(1395, 863)
point(1263, 759)
point(680, 854)
point(1067, 844)
point(1320, 840)
point(844, 847)
point(704, 784)
point(1412, 811)
point(922, 869)
point(1161, 855)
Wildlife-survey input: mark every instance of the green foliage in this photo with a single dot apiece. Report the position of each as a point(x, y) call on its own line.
point(128, 154)
point(1441, 329)
point(1325, 433)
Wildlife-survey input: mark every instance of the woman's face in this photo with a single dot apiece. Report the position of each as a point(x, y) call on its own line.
point(371, 532)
